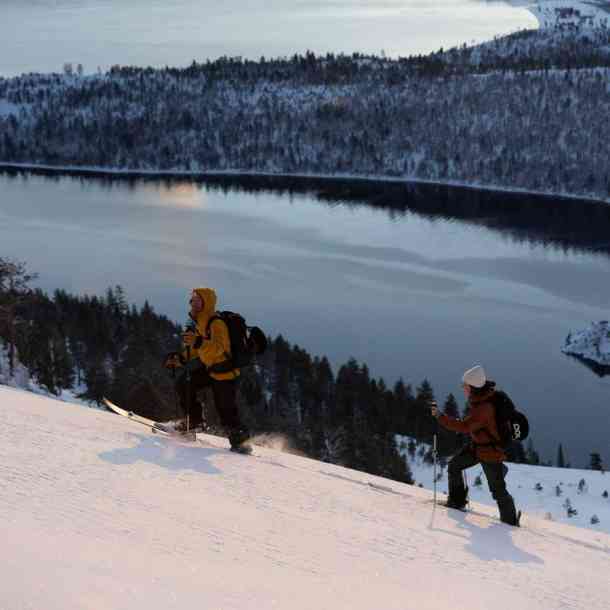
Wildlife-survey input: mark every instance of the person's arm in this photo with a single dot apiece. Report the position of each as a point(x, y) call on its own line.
point(191, 341)
point(465, 426)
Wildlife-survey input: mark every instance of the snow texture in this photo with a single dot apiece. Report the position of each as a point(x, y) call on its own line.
point(98, 514)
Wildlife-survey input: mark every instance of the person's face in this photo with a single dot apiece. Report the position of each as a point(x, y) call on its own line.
point(196, 303)
point(466, 389)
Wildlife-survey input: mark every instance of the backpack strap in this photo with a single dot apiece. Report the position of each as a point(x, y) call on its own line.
point(208, 326)
point(226, 366)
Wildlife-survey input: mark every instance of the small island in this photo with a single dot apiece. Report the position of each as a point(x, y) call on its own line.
point(591, 346)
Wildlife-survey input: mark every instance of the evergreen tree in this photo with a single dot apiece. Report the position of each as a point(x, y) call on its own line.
point(516, 453)
point(531, 455)
point(451, 407)
point(426, 425)
point(97, 380)
point(561, 463)
point(596, 462)
point(14, 293)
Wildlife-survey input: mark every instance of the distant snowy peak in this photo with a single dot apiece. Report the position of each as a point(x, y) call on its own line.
point(570, 14)
point(593, 343)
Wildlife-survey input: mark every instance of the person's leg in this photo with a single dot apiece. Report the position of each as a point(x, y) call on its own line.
point(496, 473)
point(187, 393)
point(225, 400)
point(458, 492)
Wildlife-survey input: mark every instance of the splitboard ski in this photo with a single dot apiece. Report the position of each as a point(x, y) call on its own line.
point(154, 426)
point(167, 430)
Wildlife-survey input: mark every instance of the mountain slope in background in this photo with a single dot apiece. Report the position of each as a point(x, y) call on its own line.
point(96, 513)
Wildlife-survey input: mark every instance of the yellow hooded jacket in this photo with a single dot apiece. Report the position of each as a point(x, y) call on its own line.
point(216, 347)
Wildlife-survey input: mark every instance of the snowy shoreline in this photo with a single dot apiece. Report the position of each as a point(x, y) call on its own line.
point(100, 172)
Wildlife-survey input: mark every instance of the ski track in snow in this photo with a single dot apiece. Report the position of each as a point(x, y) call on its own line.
point(98, 514)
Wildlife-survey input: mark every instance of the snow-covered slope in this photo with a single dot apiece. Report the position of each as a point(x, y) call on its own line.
point(96, 514)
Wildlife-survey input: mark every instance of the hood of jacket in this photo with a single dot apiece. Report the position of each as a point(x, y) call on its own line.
point(208, 295)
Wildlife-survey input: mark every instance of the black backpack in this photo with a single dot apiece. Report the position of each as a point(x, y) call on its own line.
point(512, 424)
point(246, 342)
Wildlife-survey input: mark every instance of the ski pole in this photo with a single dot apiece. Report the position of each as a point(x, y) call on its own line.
point(433, 407)
point(176, 401)
point(188, 387)
point(434, 455)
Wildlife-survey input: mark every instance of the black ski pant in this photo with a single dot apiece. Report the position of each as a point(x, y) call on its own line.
point(224, 392)
point(495, 472)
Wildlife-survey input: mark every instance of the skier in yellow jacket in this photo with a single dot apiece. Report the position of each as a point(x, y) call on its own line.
point(207, 354)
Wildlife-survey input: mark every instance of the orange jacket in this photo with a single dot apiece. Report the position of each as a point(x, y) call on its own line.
point(215, 347)
point(480, 423)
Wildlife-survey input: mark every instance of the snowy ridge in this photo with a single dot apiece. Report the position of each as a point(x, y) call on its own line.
point(97, 514)
point(570, 14)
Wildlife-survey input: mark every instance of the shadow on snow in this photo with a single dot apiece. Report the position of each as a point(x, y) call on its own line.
point(489, 541)
point(166, 453)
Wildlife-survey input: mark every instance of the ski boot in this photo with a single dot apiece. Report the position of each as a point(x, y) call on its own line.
point(239, 442)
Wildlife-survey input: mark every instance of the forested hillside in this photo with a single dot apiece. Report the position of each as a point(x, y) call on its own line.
point(528, 111)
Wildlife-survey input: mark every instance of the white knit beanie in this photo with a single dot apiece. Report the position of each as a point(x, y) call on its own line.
point(475, 377)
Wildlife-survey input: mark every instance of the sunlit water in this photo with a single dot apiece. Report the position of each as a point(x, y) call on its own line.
point(410, 296)
point(42, 35)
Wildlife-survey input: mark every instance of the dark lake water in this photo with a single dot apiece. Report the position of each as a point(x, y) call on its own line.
point(417, 283)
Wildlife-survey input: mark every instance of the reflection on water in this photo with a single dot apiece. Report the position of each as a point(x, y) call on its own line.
point(601, 370)
point(183, 194)
point(399, 277)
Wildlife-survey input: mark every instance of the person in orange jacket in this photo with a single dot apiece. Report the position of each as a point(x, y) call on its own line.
point(485, 448)
point(207, 354)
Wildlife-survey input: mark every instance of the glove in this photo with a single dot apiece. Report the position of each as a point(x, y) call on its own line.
point(172, 360)
point(189, 338)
